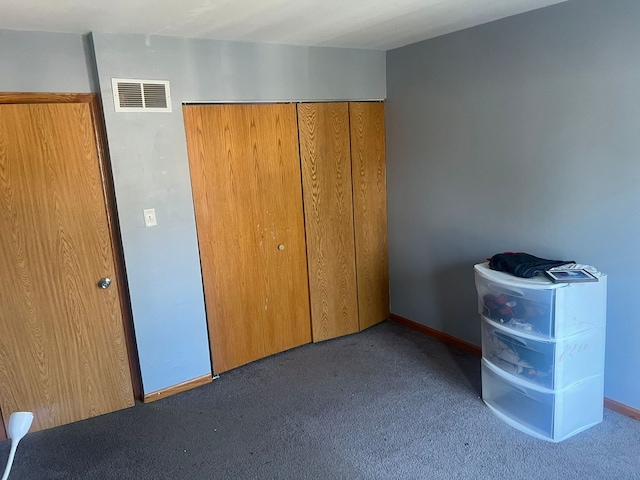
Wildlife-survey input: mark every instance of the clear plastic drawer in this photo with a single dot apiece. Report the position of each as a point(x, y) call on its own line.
point(553, 415)
point(550, 364)
point(539, 307)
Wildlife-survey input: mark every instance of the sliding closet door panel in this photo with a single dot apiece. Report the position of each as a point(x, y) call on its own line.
point(281, 232)
point(225, 203)
point(328, 207)
point(245, 177)
point(370, 210)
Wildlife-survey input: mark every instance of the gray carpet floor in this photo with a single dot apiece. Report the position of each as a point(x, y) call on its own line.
point(386, 403)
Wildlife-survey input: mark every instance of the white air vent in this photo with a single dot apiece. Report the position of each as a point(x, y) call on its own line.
point(130, 95)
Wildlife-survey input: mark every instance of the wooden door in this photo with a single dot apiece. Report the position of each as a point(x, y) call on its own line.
point(370, 210)
point(63, 351)
point(245, 175)
point(328, 208)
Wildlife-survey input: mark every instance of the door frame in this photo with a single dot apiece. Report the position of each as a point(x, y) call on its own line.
point(111, 212)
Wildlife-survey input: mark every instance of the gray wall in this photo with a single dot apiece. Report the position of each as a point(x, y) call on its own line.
point(519, 135)
point(151, 170)
point(46, 62)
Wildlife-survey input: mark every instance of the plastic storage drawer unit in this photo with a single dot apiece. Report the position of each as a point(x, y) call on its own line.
point(551, 364)
point(542, 351)
point(538, 306)
point(552, 415)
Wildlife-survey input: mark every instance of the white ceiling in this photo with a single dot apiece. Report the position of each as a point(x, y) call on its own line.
point(371, 24)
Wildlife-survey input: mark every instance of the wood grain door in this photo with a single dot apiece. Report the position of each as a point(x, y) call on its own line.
point(245, 175)
point(328, 207)
point(370, 210)
point(63, 351)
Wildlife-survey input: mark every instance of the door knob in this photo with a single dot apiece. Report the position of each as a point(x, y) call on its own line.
point(281, 247)
point(104, 282)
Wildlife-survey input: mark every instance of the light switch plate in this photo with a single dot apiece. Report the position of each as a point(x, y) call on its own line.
point(150, 217)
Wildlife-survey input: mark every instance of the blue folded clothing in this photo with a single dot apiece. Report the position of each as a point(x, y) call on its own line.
point(523, 264)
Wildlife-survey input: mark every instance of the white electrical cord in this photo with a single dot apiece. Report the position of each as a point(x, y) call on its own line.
point(12, 453)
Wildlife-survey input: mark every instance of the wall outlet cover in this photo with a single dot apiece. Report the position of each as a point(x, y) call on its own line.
point(150, 217)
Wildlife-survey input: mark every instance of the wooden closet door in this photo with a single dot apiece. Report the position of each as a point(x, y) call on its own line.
point(63, 352)
point(328, 208)
point(370, 210)
point(245, 174)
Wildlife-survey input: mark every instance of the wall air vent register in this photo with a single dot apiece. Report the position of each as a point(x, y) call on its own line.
point(131, 95)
